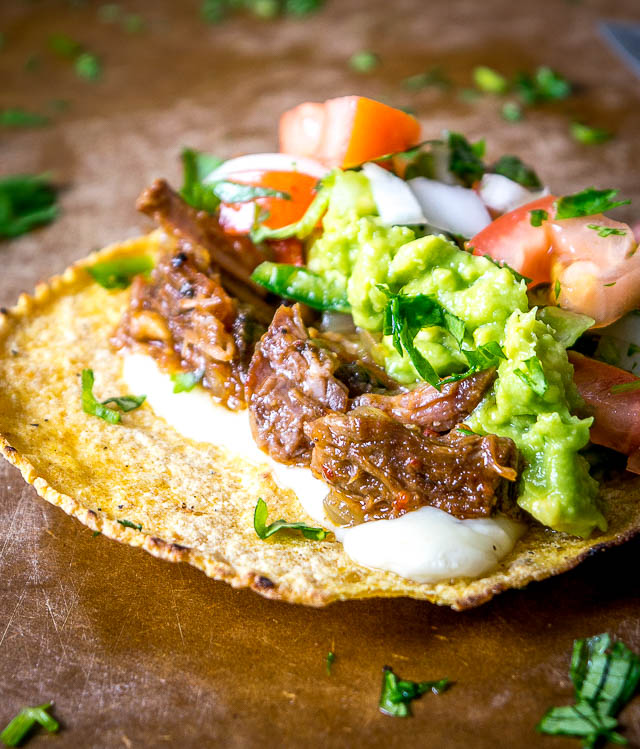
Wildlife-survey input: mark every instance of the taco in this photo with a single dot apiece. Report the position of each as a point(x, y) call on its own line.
point(416, 364)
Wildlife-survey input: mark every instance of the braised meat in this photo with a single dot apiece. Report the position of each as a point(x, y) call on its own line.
point(291, 382)
point(380, 468)
point(185, 319)
point(435, 410)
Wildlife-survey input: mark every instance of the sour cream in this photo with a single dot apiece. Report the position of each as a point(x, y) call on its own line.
point(426, 545)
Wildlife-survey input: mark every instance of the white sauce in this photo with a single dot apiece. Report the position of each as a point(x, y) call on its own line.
point(426, 545)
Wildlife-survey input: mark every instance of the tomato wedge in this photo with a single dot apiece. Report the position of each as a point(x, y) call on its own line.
point(513, 240)
point(239, 218)
point(346, 131)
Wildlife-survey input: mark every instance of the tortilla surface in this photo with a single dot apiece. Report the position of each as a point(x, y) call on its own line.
point(194, 501)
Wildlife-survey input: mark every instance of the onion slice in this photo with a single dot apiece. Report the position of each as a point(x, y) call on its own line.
point(267, 162)
point(452, 208)
point(396, 203)
point(501, 194)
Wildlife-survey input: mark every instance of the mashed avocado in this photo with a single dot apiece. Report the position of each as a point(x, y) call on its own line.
point(534, 394)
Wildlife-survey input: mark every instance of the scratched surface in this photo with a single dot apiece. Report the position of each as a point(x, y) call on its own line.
point(137, 652)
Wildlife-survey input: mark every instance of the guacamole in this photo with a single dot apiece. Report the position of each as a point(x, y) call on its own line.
point(534, 395)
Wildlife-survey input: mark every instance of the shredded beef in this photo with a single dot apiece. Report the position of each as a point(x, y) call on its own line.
point(291, 382)
point(380, 468)
point(426, 407)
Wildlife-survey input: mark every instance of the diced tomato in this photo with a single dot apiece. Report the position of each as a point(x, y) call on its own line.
point(289, 251)
point(346, 131)
point(616, 422)
point(238, 218)
point(513, 240)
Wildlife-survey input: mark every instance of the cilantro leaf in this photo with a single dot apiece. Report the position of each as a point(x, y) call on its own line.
point(264, 531)
point(587, 203)
point(364, 61)
point(465, 159)
point(26, 201)
point(119, 272)
point(397, 694)
point(538, 215)
point(533, 376)
point(557, 288)
point(513, 168)
point(88, 66)
point(17, 117)
point(196, 165)
point(511, 111)
point(589, 136)
point(489, 80)
point(606, 231)
point(18, 728)
point(544, 85)
point(64, 46)
point(129, 524)
point(184, 382)
point(94, 407)
point(626, 387)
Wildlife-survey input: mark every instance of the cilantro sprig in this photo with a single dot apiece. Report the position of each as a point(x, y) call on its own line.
point(26, 201)
point(587, 203)
point(537, 216)
point(606, 231)
point(184, 382)
point(18, 117)
point(516, 170)
point(264, 531)
point(397, 694)
point(465, 158)
point(533, 376)
point(94, 407)
point(17, 729)
point(119, 272)
point(605, 675)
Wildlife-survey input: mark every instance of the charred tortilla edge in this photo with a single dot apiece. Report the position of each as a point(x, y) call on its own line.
point(538, 555)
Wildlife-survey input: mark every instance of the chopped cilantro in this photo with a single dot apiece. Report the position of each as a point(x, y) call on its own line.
point(88, 66)
point(95, 533)
point(196, 165)
point(489, 80)
point(613, 283)
point(301, 7)
point(215, 11)
point(587, 203)
point(397, 694)
point(606, 231)
point(119, 272)
point(538, 215)
point(330, 658)
point(533, 376)
point(433, 77)
point(589, 136)
point(64, 46)
point(129, 524)
point(94, 407)
point(466, 431)
point(364, 61)
point(626, 387)
point(516, 170)
point(26, 201)
point(557, 288)
point(184, 382)
point(264, 531)
point(544, 85)
point(17, 729)
point(511, 111)
point(236, 192)
point(16, 117)
point(605, 675)
point(465, 159)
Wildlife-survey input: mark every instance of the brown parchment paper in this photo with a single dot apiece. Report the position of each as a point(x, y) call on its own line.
point(137, 652)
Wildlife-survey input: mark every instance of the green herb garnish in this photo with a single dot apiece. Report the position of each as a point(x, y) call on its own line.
point(16, 117)
point(184, 382)
point(64, 46)
point(589, 136)
point(364, 61)
point(544, 85)
point(538, 215)
point(94, 407)
point(466, 431)
point(557, 288)
point(215, 11)
point(120, 272)
point(397, 694)
point(606, 231)
point(511, 111)
point(264, 531)
point(433, 77)
point(489, 80)
point(18, 728)
point(633, 349)
point(197, 165)
point(129, 524)
point(236, 192)
point(465, 159)
point(26, 201)
point(587, 203)
point(88, 66)
point(330, 658)
point(533, 376)
point(605, 676)
point(626, 387)
point(516, 170)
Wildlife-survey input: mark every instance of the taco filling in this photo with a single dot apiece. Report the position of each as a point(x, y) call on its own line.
point(392, 320)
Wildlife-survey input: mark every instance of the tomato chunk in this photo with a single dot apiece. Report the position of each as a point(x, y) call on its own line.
point(513, 240)
point(238, 218)
point(346, 131)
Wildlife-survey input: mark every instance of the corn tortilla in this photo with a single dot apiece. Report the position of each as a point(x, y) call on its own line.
point(194, 501)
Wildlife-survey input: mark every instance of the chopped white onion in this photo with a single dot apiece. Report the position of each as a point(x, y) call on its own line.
point(267, 162)
point(451, 208)
point(395, 202)
point(502, 194)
